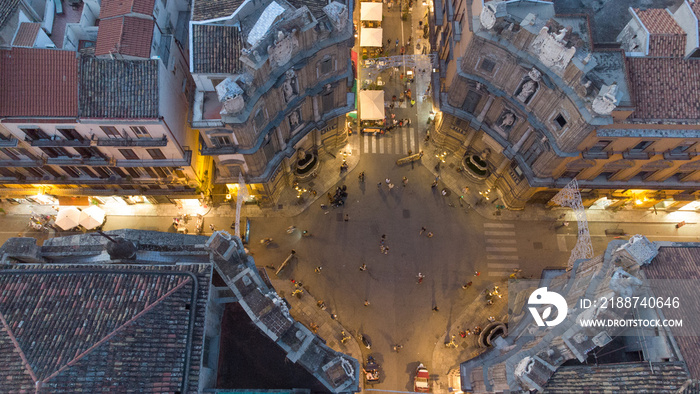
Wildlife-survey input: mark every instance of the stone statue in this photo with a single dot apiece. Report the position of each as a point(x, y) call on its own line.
point(507, 120)
point(294, 120)
point(287, 90)
point(527, 90)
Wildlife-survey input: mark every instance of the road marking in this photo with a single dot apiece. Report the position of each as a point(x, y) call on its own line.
point(499, 273)
point(500, 233)
point(499, 225)
point(500, 241)
point(503, 265)
point(381, 145)
point(501, 249)
point(413, 140)
point(374, 144)
point(561, 242)
point(405, 143)
point(366, 141)
point(500, 257)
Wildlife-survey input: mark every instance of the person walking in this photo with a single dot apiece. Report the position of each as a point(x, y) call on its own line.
point(405, 180)
point(391, 186)
point(366, 303)
point(430, 234)
point(436, 309)
point(363, 267)
point(467, 285)
point(347, 217)
point(318, 269)
point(387, 180)
point(422, 230)
point(420, 278)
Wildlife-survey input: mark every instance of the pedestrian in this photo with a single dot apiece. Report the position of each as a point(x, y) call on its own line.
point(366, 303)
point(405, 180)
point(347, 217)
point(413, 102)
point(477, 273)
point(211, 226)
point(293, 281)
point(383, 237)
point(422, 230)
point(467, 285)
point(420, 278)
point(318, 269)
point(397, 42)
point(388, 41)
point(444, 191)
point(379, 185)
point(382, 248)
point(386, 250)
point(391, 186)
point(430, 234)
point(363, 267)
point(387, 180)
point(334, 316)
point(436, 309)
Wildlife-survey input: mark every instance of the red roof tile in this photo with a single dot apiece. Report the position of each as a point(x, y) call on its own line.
point(696, 8)
point(26, 34)
point(112, 8)
point(665, 88)
point(667, 45)
point(659, 21)
point(125, 35)
point(38, 82)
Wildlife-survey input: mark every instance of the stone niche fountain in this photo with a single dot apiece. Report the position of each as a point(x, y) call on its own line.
point(475, 167)
point(306, 165)
point(491, 332)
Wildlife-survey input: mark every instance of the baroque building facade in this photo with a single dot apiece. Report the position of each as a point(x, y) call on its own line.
point(273, 85)
point(533, 94)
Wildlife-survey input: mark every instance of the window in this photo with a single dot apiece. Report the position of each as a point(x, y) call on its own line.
point(683, 147)
point(35, 172)
point(259, 119)
point(35, 134)
point(644, 174)
point(326, 66)
point(103, 172)
point(487, 65)
point(640, 147)
point(269, 149)
point(71, 171)
point(150, 172)
point(55, 152)
point(516, 173)
point(129, 154)
point(533, 153)
point(156, 154)
point(10, 153)
point(111, 131)
point(570, 174)
point(51, 171)
point(606, 174)
point(119, 171)
point(134, 172)
point(140, 132)
point(221, 140)
point(471, 101)
point(70, 134)
point(600, 146)
point(327, 102)
point(560, 120)
point(87, 153)
point(87, 171)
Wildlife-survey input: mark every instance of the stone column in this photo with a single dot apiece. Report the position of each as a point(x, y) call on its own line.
point(483, 112)
point(522, 140)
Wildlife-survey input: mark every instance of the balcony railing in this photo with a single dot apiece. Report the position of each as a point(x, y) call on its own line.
point(8, 143)
point(21, 163)
point(78, 160)
point(598, 154)
point(58, 142)
point(144, 142)
point(184, 162)
point(670, 155)
point(637, 155)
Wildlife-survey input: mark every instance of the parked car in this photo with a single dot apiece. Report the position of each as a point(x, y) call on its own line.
point(421, 382)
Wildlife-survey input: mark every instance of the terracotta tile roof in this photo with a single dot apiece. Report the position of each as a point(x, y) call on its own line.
point(667, 45)
point(26, 34)
point(315, 6)
point(125, 35)
point(115, 328)
point(658, 21)
point(216, 49)
point(112, 8)
point(118, 89)
point(210, 9)
point(696, 8)
point(38, 82)
point(7, 8)
point(665, 88)
point(618, 377)
point(680, 263)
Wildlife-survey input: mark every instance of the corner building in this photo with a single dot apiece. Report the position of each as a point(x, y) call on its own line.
point(531, 94)
point(273, 82)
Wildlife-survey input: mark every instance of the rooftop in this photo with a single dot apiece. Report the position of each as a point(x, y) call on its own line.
point(121, 89)
point(128, 36)
point(210, 9)
point(26, 34)
point(95, 328)
point(216, 49)
point(38, 82)
point(667, 37)
point(7, 8)
point(665, 88)
point(680, 263)
point(111, 8)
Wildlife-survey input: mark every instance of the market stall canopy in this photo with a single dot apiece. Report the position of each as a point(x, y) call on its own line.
point(68, 217)
point(371, 104)
point(370, 11)
point(371, 37)
point(92, 217)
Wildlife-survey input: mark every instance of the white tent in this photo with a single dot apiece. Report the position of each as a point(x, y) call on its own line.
point(67, 218)
point(92, 217)
point(370, 11)
point(371, 104)
point(370, 37)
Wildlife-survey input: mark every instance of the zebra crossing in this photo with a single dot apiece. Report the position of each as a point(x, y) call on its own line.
point(398, 141)
point(501, 249)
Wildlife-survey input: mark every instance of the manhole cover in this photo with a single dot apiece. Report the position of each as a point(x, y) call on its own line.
point(537, 245)
point(406, 214)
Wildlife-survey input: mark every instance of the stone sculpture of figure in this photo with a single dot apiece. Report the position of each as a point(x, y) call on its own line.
point(288, 90)
point(294, 120)
point(527, 90)
point(508, 120)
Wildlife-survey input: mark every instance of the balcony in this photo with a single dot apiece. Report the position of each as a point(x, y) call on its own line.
point(142, 142)
point(637, 155)
point(21, 163)
point(10, 142)
point(57, 143)
point(215, 151)
point(670, 155)
point(599, 154)
point(184, 162)
point(78, 160)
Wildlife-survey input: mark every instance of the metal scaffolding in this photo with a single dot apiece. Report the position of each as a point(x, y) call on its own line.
point(570, 197)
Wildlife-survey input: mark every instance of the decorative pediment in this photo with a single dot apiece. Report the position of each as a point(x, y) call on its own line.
point(658, 165)
point(280, 53)
point(551, 49)
point(619, 164)
point(580, 164)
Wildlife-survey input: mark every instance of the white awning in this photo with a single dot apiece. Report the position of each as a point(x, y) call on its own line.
point(371, 104)
point(92, 217)
point(370, 11)
point(67, 218)
point(371, 37)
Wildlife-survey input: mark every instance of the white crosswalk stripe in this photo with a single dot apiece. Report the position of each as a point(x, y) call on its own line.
point(395, 142)
point(502, 249)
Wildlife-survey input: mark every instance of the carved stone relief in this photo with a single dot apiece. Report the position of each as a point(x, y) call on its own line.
point(488, 16)
point(295, 119)
point(526, 90)
point(551, 49)
point(505, 122)
point(284, 46)
point(290, 86)
point(607, 100)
